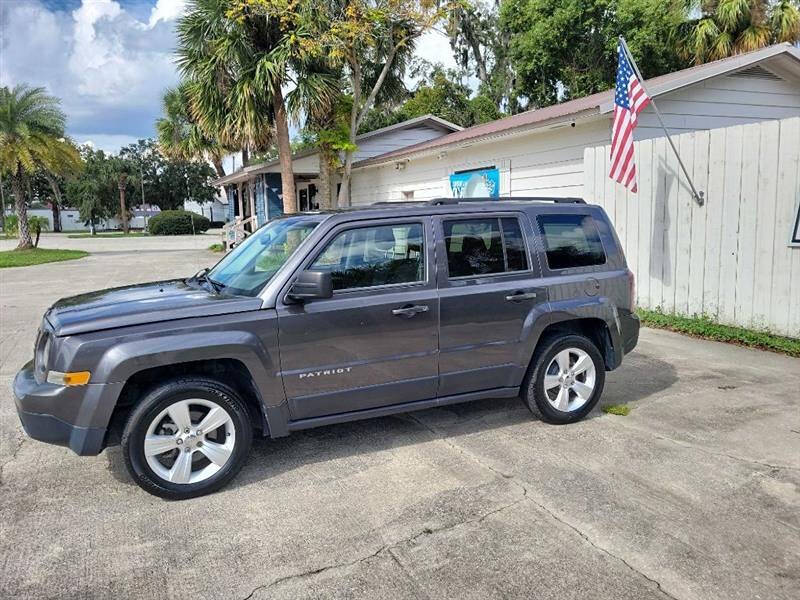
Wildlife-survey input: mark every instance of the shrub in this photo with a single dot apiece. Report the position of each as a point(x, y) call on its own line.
point(177, 222)
point(36, 225)
point(10, 225)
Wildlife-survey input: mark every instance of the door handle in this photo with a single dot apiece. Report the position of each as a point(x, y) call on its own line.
point(519, 296)
point(410, 311)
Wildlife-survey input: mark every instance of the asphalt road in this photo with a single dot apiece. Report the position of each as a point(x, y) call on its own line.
point(695, 494)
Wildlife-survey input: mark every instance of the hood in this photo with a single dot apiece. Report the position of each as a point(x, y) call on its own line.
point(140, 304)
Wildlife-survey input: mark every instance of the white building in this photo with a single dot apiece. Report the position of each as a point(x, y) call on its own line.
point(540, 152)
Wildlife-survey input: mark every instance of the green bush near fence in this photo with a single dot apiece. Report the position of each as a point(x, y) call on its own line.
point(177, 222)
point(705, 327)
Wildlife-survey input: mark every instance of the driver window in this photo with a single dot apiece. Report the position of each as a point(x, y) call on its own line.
point(373, 256)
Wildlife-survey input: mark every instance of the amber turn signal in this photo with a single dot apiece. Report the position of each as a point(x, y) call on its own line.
point(76, 378)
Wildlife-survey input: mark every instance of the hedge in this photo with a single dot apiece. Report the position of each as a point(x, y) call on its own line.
point(177, 222)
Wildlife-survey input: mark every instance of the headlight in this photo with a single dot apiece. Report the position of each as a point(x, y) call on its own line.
point(41, 353)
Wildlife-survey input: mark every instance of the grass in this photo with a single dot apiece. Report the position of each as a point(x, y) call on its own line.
point(621, 410)
point(37, 256)
point(78, 236)
point(217, 247)
point(705, 327)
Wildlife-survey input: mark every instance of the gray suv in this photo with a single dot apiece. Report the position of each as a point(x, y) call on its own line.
point(321, 318)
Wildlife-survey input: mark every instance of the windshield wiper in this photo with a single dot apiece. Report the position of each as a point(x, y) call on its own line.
point(202, 275)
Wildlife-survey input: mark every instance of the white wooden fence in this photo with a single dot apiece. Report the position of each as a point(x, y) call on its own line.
point(730, 258)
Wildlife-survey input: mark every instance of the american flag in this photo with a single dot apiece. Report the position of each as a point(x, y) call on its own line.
point(629, 100)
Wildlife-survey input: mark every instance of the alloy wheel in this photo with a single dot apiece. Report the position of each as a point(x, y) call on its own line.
point(189, 441)
point(569, 380)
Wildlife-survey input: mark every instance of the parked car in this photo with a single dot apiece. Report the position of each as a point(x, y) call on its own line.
point(322, 318)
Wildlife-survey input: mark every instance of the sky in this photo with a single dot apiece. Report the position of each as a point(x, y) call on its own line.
point(109, 61)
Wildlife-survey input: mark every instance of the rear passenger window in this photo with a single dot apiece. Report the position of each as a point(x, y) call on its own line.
point(571, 241)
point(484, 246)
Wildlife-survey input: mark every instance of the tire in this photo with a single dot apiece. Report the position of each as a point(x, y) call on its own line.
point(549, 405)
point(159, 466)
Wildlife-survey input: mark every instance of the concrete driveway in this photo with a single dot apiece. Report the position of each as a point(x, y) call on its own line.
point(695, 494)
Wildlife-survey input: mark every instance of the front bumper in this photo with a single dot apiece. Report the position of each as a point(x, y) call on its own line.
point(76, 417)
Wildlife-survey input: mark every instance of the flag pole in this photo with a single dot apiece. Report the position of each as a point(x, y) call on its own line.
point(698, 196)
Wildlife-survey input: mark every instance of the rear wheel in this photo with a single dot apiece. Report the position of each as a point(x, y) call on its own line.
point(565, 379)
point(187, 438)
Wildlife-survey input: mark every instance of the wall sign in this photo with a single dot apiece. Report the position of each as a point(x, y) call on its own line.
point(475, 184)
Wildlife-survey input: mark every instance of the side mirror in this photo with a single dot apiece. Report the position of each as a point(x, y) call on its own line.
point(312, 285)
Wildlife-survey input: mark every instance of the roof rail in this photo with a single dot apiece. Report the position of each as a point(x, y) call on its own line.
point(444, 201)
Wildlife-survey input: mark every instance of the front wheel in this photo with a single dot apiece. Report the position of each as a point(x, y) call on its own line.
point(187, 438)
point(565, 379)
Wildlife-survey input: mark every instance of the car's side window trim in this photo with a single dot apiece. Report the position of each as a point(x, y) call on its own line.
point(499, 217)
point(334, 233)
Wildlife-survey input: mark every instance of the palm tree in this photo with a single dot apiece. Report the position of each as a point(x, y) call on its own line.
point(236, 59)
point(179, 135)
point(727, 27)
point(233, 81)
point(31, 136)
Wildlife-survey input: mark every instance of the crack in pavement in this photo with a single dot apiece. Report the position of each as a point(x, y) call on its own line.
point(420, 592)
point(685, 444)
point(440, 436)
point(20, 442)
point(387, 548)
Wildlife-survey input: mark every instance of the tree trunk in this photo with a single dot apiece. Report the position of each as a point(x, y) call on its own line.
point(56, 202)
point(217, 162)
point(325, 173)
point(123, 213)
point(2, 205)
point(25, 241)
point(56, 217)
point(245, 157)
point(343, 198)
point(284, 152)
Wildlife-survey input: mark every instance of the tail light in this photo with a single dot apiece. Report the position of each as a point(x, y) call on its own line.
point(632, 290)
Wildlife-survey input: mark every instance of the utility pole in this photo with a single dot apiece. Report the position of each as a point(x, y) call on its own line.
point(144, 206)
point(123, 213)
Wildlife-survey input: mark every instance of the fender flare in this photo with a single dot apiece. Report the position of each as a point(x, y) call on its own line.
point(121, 361)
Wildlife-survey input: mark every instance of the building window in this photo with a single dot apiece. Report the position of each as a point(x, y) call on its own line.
point(408, 195)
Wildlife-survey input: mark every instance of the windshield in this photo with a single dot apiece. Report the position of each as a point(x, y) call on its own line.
point(253, 262)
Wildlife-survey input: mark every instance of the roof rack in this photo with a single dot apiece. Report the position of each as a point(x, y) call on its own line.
point(445, 201)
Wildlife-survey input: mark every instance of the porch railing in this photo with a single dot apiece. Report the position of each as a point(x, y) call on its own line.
point(235, 231)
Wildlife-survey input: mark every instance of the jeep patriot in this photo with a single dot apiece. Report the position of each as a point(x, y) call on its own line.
point(326, 317)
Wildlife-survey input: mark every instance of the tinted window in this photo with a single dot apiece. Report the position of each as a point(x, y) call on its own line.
point(571, 241)
point(516, 256)
point(372, 256)
point(477, 247)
